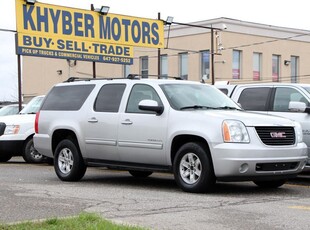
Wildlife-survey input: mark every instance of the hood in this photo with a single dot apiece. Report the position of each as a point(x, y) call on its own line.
point(249, 119)
point(18, 119)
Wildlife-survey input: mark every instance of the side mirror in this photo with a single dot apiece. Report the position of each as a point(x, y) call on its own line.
point(296, 106)
point(151, 105)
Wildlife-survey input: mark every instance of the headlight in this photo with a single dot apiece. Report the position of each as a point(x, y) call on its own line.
point(298, 130)
point(235, 131)
point(11, 129)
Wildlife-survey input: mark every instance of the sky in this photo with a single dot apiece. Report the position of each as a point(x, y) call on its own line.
point(282, 13)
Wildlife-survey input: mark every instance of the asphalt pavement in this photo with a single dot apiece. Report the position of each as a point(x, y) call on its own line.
point(33, 192)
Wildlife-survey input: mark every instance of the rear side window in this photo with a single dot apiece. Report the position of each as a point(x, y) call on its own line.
point(109, 98)
point(255, 99)
point(69, 98)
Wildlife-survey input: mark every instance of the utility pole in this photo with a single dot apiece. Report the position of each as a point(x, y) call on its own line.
point(158, 57)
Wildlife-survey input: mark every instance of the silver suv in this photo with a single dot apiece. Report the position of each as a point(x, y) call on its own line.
point(145, 125)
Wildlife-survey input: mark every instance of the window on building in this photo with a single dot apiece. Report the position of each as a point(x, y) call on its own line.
point(109, 98)
point(205, 64)
point(144, 63)
point(183, 65)
point(259, 95)
point(236, 71)
point(126, 70)
point(276, 68)
point(164, 66)
point(257, 60)
point(294, 69)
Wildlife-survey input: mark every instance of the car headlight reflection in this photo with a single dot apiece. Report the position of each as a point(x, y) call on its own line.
point(299, 135)
point(11, 129)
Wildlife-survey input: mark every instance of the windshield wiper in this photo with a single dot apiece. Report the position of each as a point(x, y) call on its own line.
point(228, 108)
point(196, 107)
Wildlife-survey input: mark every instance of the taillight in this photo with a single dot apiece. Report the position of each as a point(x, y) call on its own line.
point(36, 123)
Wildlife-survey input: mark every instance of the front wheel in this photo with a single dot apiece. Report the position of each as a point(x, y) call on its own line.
point(68, 162)
point(270, 183)
point(30, 154)
point(193, 169)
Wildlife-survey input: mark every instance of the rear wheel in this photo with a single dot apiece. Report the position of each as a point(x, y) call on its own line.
point(68, 162)
point(270, 184)
point(30, 154)
point(193, 170)
point(5, 158)
point(136, 173)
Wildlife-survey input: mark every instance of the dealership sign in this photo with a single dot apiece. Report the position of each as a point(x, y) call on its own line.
point(61, 32)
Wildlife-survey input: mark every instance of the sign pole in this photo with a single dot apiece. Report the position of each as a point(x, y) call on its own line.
point(92, 8)
point(158, 57)
point(19, 82)
point(19, 75)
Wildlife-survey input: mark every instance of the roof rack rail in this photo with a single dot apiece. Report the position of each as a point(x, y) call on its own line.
point(73, 79)
point(130, 76)
point(136, 76)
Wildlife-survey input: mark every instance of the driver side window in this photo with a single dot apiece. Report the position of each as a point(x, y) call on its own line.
point(138, 93)
point(283, 96)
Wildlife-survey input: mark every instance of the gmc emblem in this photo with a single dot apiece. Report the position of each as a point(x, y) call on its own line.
point(277, 134)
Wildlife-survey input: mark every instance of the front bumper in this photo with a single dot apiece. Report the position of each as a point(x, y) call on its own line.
point(241, 162)
point(11, 147)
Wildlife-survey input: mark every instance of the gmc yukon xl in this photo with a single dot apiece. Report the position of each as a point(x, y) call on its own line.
point(146, 125)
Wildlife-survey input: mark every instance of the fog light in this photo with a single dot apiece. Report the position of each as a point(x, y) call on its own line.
point(303, 165)
point(243, 168)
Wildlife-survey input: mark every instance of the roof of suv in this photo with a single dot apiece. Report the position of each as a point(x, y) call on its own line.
point(267, 84)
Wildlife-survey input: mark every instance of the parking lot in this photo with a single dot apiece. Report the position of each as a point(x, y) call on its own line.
point(33, 191)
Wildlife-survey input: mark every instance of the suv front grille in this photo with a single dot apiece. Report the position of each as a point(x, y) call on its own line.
point(276, 135)
point(2, 128)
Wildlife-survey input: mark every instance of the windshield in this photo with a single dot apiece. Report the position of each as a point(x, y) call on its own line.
point(196, 96)
point(307, 88)
point(33, 106)
point(9, 110)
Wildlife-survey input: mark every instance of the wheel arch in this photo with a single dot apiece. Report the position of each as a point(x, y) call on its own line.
point(25, 142)
point(180, 140)
point(62, 134)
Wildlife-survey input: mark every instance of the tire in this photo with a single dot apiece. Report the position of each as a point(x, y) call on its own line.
point(140, 174)
point(68, 162)
point(5, 158)
point(49, 161)
point(193, 169)
point(30, 154)
point(270, 183)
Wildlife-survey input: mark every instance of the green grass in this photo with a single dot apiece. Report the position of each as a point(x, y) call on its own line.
point(89, 221)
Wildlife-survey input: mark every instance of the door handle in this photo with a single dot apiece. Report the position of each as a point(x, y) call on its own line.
point(127, 122)
point(92, 120)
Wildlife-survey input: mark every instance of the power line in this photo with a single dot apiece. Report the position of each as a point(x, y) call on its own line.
point(8, 30)
point(268, 41)
point(233, 47)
